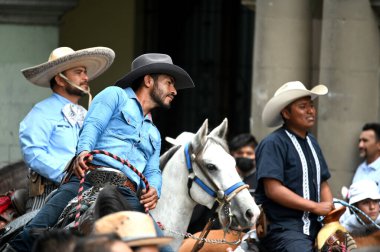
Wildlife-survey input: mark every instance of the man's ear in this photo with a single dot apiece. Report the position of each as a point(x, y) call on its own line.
point(59, 81)
point(285, 113)
point(148, 81)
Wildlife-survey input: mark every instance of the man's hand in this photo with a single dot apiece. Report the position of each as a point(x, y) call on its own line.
point(80, 167)
point(149, 198)
point(322, 208)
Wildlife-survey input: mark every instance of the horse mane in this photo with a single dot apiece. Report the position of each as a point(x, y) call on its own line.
point(164, 158)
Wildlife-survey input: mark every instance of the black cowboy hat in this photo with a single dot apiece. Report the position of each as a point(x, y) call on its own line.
point(156, 63)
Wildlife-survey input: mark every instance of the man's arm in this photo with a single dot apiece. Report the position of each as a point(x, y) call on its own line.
point(280, 194)
point(34, 137)
point(97, 118)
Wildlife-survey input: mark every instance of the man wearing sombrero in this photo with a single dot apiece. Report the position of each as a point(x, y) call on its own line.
point(49, 133)
point(291, 171)
point(119, 121)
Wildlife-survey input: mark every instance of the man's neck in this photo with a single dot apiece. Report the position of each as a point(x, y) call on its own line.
point(370, 160)
point(73, 98)
point(297, 131)
point(145, 100)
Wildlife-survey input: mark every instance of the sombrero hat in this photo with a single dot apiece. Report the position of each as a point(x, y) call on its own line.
point(135, 228)
point(95, 59)
point(285, 95)
point(156, 63)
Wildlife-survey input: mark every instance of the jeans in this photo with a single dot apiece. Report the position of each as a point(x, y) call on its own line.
point(51, 211)
point(48, 214)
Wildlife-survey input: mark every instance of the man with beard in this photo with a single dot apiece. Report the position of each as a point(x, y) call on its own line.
point(119, 121)
point(369, 150)
point(49, 133)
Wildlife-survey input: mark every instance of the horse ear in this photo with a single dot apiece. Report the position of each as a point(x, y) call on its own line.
point(221, 130)
point(200, 137)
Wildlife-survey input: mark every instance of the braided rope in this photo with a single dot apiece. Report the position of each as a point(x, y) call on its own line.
point(356, 210)
point(81, 183)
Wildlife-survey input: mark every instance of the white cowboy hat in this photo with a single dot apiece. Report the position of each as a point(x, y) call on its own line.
point(285, 95)
point(156, 63)
point(95, 59)
point(181, 139)
point(135, 228)
point(363, 189)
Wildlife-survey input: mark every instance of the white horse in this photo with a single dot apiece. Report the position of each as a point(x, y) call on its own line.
point(206, 161)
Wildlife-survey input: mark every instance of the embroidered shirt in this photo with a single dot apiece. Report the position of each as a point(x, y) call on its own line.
point(115, 122)
point(368, 171)
point(47, 139)
point(278, 158)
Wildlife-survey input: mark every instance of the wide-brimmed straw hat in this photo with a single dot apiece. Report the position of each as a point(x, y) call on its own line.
point(363, 189)
point(285, 95)
point(156, 63)
point(95, 59)
point(135, 228)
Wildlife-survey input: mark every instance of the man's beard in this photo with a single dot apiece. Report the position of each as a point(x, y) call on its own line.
point(158, 97)
point(75, 91)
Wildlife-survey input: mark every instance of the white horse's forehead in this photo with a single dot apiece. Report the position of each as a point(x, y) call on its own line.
point(218, 156)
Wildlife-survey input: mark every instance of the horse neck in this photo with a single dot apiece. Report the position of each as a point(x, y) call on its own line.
point(174, 208)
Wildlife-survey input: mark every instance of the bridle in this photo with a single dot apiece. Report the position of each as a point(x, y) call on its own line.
point(222, 197)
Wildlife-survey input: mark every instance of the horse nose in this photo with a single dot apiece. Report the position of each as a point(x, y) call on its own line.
point(249, 214)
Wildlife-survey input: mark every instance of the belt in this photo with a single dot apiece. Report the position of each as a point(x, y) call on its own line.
point(127, 183)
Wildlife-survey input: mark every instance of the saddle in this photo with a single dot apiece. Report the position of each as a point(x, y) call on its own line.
point(333, 236)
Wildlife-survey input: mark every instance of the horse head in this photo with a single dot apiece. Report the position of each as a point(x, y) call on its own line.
point(214, 172)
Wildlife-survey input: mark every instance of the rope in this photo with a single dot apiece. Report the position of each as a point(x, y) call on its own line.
point(355, 210)
point(81, 183)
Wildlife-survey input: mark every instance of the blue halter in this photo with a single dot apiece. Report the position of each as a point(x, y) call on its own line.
point(206, 188)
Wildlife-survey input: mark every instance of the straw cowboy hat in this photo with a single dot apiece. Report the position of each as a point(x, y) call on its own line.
point(363, 189)
point(135, 228)
point(156, 63)
point(286, 94)
point(95, 59)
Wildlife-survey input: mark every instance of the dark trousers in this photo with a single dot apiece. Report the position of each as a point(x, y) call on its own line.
point(51, 211)
point(283, 240)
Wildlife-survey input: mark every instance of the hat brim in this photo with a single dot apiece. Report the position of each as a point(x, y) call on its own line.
point(95, 59)
point(271, 114)
point(160, 241)
point(362, 196)
point(182, 78)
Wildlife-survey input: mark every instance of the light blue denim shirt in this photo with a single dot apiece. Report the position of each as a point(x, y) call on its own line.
point(115, 123)
point(368, 171)
point(47, 140)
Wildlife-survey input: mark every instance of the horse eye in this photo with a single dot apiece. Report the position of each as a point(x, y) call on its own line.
point(210, 167)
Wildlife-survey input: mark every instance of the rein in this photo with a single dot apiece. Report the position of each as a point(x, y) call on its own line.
point(80, 190)
point(356, 210)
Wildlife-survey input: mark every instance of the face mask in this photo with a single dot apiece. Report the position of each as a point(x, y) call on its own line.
point(245, 164)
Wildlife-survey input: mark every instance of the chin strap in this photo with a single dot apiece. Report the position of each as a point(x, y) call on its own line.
point(78, 87)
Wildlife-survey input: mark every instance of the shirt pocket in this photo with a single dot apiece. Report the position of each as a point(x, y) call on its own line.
point(63, 135)
point(123, 127)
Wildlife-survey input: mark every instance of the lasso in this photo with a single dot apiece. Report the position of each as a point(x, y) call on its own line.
point(81, 188)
